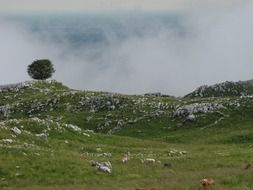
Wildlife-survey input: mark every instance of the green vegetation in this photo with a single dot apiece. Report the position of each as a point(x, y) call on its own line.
point(50, 133)
point(41, 69)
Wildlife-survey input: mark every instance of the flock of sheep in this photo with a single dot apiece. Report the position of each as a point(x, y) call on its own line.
point(107, 168)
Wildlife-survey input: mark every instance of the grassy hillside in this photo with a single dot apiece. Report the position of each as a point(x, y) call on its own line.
point(50, 133)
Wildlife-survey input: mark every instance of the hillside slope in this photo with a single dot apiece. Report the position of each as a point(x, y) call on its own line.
point(114, 113)
point(50, 133)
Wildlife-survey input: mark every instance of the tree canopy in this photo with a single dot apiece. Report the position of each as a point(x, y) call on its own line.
point(41, 69)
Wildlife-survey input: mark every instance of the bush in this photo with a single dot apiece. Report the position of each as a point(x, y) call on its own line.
point(41, 69)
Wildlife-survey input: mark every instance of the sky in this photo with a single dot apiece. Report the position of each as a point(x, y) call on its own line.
point(107, 5)
point(215, 45)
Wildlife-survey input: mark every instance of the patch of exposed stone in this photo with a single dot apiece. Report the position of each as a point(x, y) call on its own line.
point(190, 109)
point(100, 102)
point(6, 110)
point(227, 88)
point(21, 127)
point(15, 87)
point(142, 107)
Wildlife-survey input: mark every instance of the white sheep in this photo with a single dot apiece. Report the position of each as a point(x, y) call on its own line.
point(103, 168)
point(125, 159)
point(148, 161)
point(107, 164)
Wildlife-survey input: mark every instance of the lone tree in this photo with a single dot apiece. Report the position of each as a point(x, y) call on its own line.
point(41, 69)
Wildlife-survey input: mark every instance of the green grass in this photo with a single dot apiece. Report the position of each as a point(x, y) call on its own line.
point(218, 150)
point(67, 165)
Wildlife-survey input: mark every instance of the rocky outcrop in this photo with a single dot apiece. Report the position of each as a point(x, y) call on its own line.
point(188, 111)
point(227, 88)
point(15, 87)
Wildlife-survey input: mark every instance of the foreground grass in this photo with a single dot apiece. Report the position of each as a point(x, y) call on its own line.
point(57, 165)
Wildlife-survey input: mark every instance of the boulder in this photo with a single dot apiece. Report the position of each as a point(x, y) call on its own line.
point(16, 130)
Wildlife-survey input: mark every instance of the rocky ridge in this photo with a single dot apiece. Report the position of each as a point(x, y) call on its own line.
point(241, 88)
point(49, 103)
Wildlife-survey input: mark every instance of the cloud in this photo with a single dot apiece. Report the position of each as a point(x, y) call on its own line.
point(132, 54)
point(107, 5)
point(18, 49)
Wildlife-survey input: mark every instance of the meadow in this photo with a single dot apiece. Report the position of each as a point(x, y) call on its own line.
point(216, 144)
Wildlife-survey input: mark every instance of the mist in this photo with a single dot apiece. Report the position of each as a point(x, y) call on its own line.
point(172, 53)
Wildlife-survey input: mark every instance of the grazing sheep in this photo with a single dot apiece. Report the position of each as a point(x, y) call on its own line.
point(148, 161)
point(125, 159)
point(206, 182)
point(103, 168)
point(107, 164)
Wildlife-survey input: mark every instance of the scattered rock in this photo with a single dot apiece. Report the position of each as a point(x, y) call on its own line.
point(73, 127)
point(191, 117)
point(190, 109)
point(7, 140)
point(16, 130)
point(42, 136)
point(86, 134)
point(17, 174)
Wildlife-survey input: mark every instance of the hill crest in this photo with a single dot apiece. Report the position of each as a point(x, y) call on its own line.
point(228, 88)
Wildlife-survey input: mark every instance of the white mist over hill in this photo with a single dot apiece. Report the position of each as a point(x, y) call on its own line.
point(132, 53)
